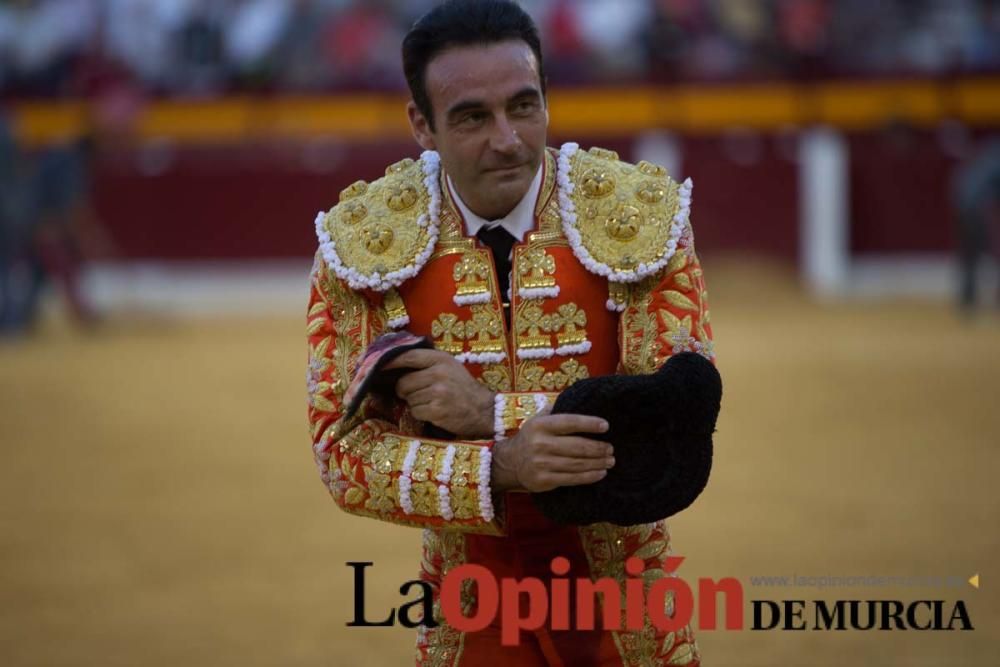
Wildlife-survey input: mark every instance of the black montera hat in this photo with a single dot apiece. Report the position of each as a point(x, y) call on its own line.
point(661, 428)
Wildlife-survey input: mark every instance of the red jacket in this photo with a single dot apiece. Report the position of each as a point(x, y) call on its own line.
point(608, 282)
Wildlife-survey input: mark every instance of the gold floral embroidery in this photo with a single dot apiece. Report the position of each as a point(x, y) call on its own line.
point(464, 502)
point(536, 268)
point(569, 372)
point(532, 377)
point(529, 376)
point(424, 497)
point(640, 331)
point(465, 467)
point(485, 330)
point(382, 494)
point(607, 547)
point(529, 323)
point(384, 455)
point(496, 377)
point(440, 646)
point(472, 274)
point(448, 333)
point(565, 322)
point(424, 463)
point(518, 408)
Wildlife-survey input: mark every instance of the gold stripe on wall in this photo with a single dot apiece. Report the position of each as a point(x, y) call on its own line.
point(585, 112)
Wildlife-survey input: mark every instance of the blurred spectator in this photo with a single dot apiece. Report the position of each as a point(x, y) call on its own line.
point(194, 46)
point(361, 45)
point(976, 191)
point(48, 37)
point(140, 34)
point(200, 65)
point(13, 234)
point(58, 225)
point(252, 37)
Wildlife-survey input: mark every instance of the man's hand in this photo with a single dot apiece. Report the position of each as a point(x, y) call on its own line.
point(546, 454)
point(441, 391)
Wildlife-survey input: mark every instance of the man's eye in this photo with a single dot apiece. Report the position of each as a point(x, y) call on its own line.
point(476, 118)
point(525, 107)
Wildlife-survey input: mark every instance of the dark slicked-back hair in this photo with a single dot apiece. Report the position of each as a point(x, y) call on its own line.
point(463, 23)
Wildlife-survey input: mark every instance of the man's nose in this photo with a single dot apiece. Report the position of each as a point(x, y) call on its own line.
point(504, 138)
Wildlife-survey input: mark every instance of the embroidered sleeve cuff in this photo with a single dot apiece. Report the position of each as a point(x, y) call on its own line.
point(511, 410)
point(422, 482)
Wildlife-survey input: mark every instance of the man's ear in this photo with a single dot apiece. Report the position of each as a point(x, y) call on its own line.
point(421, 128)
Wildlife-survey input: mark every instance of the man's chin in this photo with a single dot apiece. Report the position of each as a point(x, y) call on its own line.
point(512, 188)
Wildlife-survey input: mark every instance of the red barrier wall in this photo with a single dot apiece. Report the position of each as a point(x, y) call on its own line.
point(259, 201)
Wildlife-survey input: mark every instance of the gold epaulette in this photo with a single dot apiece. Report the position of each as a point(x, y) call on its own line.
point(628, 218)
point(381, 233)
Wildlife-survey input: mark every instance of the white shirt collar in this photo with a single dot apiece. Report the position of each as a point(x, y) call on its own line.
point(518, 222)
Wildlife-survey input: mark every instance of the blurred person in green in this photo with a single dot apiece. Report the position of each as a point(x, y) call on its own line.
point(976, 193)
point(61, 227)
point(57, 198)
point(13, 230)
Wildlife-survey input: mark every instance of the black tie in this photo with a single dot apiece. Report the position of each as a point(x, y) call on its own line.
point(500, 241)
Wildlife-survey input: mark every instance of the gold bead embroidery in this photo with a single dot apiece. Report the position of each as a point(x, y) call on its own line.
point(618, 293)
point(400, 197)
point(651, 169)
point(395, 309)
point(353, 190)
point(399, 167)
point(651, 192)
point(624, 223)
point(377, 239)
point(353, 212)
point(597, 183)
point(603, 153)
point(384, 240)
point(627, 227)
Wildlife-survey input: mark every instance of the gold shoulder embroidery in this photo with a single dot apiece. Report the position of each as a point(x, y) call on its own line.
point(381, 233)
point(624, 221)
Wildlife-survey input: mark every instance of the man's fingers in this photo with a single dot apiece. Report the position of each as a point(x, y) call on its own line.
point(563, 424)
point(423, 396)
point(563, 464)
point(419, 359)
point(413, 382)
point(575, 479)
point(573, 447)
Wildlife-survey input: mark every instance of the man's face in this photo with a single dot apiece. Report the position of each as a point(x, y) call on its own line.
point(490, 121)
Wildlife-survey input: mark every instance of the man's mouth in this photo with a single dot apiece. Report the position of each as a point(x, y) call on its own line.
point(501, 170)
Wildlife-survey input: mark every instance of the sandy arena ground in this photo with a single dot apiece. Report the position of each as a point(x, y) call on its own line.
point(159, 505)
